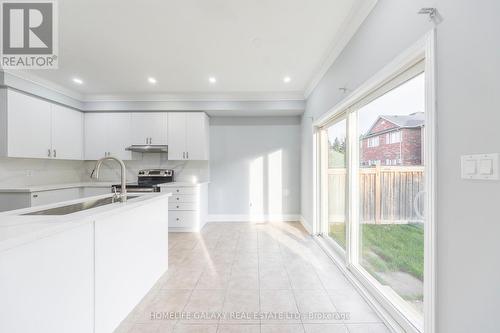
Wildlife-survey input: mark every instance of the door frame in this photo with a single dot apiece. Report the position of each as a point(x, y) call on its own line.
point(423, 49)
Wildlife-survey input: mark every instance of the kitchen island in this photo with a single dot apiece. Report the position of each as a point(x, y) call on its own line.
point(83, 271)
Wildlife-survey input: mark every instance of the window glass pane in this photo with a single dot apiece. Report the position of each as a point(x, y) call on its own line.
point(337, 175)
point(391, 184)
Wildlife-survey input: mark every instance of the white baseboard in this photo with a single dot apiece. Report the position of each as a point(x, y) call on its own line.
point(306, 225)
point(249, 218)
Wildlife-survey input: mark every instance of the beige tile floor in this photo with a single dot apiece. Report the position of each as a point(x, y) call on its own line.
point(249, 268)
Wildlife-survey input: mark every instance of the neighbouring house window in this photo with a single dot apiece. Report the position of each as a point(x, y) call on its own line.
point(393, 137)
point(373, 142)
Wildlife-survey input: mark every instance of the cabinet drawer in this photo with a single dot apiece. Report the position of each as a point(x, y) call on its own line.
point(182, 206)
point(183, 198)
point(183, 190)
point(181, 219)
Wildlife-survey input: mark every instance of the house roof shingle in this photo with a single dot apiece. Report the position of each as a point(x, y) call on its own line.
point(416, 119)
point(413, 120)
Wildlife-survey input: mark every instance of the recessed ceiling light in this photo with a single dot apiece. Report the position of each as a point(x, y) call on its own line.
point(212, 80)
point(77, 80)
point(152, 80)
point(287, 79)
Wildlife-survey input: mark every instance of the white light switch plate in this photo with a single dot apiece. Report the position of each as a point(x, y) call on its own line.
point(480, 166)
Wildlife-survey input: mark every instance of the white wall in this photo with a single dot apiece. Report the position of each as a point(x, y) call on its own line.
point(254, 160)
point(468, 119)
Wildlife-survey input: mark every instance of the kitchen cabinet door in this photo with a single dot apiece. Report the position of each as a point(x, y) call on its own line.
point(107, 134)
point(197, 136)
point(149, 128)
point(52, 280)
point(96, 135)
point(48, 197)
point(119, 136)
point(29, 126)
point(67, 133)
point(177, 136)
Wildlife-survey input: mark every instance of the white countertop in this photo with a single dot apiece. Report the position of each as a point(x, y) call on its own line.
point(49, 187)
point(17, 229)
point(182, 184)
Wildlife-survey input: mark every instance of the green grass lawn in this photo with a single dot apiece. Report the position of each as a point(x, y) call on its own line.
point(389, 247)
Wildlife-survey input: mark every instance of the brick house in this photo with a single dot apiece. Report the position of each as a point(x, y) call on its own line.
point(393, 140)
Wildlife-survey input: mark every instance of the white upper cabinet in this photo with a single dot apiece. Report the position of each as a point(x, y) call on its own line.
point(67, 133)
point(188, 136)
point(39, 129)
point(177, 136)
point(149, 128)
point(119, 130)
point(29, 126)
point(32, 127)
point(197, 138)
point(107, 134)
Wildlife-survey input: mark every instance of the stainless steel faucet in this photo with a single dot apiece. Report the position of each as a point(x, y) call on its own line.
point(95, 174)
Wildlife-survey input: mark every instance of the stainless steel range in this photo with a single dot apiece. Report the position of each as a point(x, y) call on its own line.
point(148, 181)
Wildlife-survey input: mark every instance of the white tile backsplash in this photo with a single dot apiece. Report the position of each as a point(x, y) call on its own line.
point(183, 170)
point(26, 172)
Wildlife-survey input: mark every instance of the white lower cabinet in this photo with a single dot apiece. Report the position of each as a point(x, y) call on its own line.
point(86, 278)
point(131, 254)
point(53, 196)
point(188, 207)
point(47, 285)
point(17, 200)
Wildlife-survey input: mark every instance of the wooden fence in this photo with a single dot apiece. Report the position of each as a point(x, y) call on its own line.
point(387, 194)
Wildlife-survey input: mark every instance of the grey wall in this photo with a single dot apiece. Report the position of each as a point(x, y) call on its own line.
point(235, 142)
point(468, 118)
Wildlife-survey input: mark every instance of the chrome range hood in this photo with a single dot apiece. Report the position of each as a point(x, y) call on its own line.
point(148, 148)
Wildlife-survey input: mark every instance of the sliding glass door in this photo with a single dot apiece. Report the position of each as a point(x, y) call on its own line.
point(372, 190)
point(335, 175)
point(391, 134)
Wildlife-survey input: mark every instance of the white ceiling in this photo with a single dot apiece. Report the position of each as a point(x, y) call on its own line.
point(248, 45)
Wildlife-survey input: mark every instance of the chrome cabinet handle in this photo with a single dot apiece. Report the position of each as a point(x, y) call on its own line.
point(55, 153)
point(150, 141)
point(187, 155)
point(183, 155)
point(48, 153)
point(177, 206)
point(147, 139)
point(177, 190)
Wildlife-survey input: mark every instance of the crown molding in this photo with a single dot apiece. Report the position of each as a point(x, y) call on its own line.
point(360, 11)
point(12, 76)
